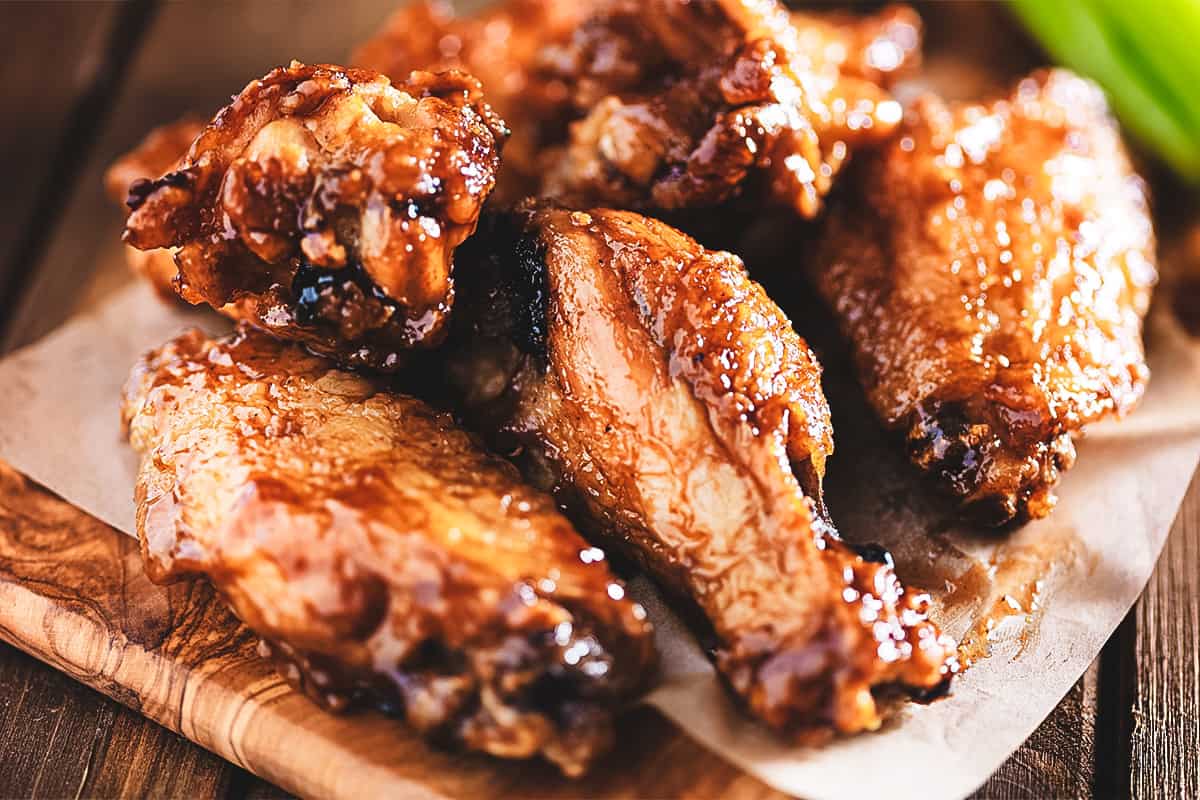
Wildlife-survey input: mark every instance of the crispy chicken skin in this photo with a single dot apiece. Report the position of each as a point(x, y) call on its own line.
point(672, 409)
point(378, 550)
point(325, 204)
point(686, 101)
point(161, 151)
point(500, 45)
point(991, 268)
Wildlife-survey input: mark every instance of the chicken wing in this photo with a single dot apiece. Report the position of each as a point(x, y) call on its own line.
point(325, 205)
point(161, 151)
point(685, 102)
point(672, 409)
point(500, 45)
point(379, 550)
point(991, 268)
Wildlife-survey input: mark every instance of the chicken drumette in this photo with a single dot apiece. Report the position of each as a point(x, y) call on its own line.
point(673, 410)
point(378, 550)
point(684, 104)
point(325, 204)
point(991, 269)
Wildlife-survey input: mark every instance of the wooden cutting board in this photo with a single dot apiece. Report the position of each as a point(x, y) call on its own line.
point(73, 594)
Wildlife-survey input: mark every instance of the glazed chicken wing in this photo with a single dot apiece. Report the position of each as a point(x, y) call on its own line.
point(670, 406)
point(991, 269)
point(160, 152)
point(686, 102)
point(325, 205)
point(501, 46)
point(378, 550)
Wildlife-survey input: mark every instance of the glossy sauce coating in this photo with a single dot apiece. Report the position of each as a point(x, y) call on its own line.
point(325, 204)
point(671, 407)
point(379, 550)
point(684, 101)
point(160, 152)
point(502, 46)
point(991, 268)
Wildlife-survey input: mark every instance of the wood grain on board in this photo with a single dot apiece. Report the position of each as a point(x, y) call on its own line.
point(73, 594)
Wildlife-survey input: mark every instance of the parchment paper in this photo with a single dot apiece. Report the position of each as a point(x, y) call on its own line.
point(1069, 579)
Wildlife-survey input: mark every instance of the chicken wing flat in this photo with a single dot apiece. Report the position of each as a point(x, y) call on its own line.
point(379, 550)
point(685, 102)
point(325, 204)
point(500, 45)
point(672, 409)
point(991, 269)
point(161, 151)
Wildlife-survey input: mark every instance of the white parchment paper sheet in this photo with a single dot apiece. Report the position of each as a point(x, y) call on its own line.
point(60, 426)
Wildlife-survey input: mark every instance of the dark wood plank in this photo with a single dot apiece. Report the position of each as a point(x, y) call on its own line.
point(247, 786)
point(59, 738)
point(41, 85)
point(1165, 736)
point(139, 758)
point(70, 60)
point(49, 726)
point(1118, 687)
point(1058, 760)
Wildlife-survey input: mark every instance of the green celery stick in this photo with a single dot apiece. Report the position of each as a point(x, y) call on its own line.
point(1143, 54)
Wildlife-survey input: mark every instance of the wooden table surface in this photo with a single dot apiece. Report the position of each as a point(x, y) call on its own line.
point(79, 83)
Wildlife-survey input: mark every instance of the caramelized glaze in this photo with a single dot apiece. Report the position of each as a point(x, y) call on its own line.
point(319, 169)
point(684, 101)
point(671, 407)
point(1018, 577)
point(991, 268)
point(379, 550)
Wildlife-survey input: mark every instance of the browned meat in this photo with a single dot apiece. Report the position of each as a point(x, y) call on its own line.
point(991, 268)
point(500, 45)
point(379, 550)
point(325, 205)
point(684, 102)
point(161, 151)
point(671, 407)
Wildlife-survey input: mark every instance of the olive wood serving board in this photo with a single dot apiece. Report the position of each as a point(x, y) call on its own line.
point(73, 594)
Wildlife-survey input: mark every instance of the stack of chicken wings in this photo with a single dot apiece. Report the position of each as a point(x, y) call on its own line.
point(471, 362)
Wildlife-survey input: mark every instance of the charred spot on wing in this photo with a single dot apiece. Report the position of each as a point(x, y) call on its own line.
point(141, 189)
point(315, 287)
point(943, 440)
point(935, 692)
point(874, 553)
point(503, 282)
point(529, 292)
